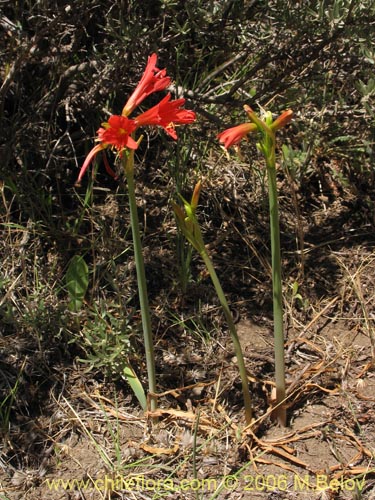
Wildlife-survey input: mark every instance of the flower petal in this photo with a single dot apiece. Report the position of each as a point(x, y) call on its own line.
point(166, 114)
point(109, 170)
point(89, 158)
point(153, 80)
point(234, 135)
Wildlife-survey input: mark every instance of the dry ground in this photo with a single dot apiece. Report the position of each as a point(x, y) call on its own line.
point(67, 424)
point(63, 69)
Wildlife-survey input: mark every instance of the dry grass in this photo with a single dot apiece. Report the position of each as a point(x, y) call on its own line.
point(63, 418)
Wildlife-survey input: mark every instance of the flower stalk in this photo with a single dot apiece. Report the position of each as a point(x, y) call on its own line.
point(233, 333)
point(188, 223)
point(277, 293)
point(267, 145)
point(128, 163)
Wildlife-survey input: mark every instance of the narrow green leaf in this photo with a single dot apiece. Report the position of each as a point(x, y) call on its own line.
point(135, 384)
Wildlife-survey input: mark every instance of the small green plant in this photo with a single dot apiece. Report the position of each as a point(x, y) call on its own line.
point(188, 223)
point(107, 342)
point(267, 144)
point(367, 90)
point(118, 134)
point(7, 403)
point(296, 297)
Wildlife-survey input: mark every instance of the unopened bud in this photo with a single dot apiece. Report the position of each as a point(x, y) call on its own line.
point(282, 120)
point(195, 196)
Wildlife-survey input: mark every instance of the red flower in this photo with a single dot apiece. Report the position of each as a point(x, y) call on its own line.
point(166, 114)
point(153, 80)
point(233, 135)
point(117, 132)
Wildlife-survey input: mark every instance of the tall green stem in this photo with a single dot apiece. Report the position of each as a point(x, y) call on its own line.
point(188, 224)
point(280, 410)
point(141, 279)
point(233, 332)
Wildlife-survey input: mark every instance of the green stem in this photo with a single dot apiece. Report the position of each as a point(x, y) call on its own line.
point(233, 332)
point(280, 410)
point(141, 280)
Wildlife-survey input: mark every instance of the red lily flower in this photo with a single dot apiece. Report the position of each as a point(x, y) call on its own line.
point(234, 135)
point(166, 114)
point(153, 80)
point(117, 132)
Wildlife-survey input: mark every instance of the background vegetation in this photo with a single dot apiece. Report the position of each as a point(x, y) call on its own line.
point(64, 69)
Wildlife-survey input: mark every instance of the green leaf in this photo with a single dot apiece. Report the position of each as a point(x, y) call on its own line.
point(77, 280)
point(135, 384)
point(12, 225)
point(295, 288)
